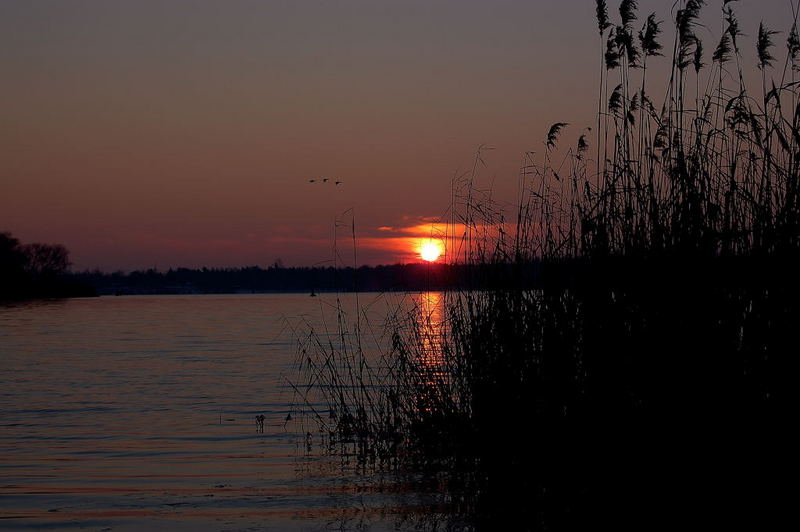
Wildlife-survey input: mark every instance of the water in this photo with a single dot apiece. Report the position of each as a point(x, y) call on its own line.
point(131, 413)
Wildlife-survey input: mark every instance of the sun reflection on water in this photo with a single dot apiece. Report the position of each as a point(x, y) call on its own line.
point(432, 363)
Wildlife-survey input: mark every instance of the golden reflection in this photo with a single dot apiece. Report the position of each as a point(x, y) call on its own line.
point(430, 334)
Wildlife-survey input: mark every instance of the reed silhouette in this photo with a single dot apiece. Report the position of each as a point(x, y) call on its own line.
point(646, 382)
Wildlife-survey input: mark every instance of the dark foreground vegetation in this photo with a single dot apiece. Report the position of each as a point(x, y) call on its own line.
point(648, 383)
point(30, 271)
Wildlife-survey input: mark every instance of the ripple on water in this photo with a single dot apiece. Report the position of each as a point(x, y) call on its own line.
point(134, 413)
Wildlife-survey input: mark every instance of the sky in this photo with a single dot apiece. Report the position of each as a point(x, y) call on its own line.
point(159, 134)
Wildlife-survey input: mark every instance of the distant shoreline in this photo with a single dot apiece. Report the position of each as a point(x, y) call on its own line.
point(276, 279)
point(583, 274)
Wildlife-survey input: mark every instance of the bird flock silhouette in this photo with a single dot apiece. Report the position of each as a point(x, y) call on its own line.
point(324, 180)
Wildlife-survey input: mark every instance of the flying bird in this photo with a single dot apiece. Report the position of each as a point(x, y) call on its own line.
point(338, 183)
point(325, 180)
point(311, 180)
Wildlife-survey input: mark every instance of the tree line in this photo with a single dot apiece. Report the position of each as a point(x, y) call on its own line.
point(277, 278)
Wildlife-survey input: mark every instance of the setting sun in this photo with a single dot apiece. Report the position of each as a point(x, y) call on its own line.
point(430, 250)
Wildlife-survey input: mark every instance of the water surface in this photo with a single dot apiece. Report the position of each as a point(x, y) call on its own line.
point(130, 413)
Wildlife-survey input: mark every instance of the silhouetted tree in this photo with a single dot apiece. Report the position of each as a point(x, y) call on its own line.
point(36, 271)
point(11, 254)
point(12, 266)
point(46, 260)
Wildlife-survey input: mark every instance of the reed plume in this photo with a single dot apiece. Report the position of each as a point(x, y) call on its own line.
point(648, 37)
point(602, 16)
point(722, 54)
point(793, 44)
point(764, 46)
point(627, 12)
point(554, 132)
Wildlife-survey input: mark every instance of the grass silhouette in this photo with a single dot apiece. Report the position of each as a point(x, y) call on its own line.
point(647, 383)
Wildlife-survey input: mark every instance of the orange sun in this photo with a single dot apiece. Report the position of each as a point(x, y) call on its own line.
point(430, 250)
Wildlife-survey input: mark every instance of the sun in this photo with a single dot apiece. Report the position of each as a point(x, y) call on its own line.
point(430, 250)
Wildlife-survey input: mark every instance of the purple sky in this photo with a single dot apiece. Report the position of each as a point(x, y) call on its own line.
point(184, 133)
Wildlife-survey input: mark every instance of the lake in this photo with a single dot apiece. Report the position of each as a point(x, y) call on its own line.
point(138, 412)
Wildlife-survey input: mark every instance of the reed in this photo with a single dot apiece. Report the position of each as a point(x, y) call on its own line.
point(658, 350)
